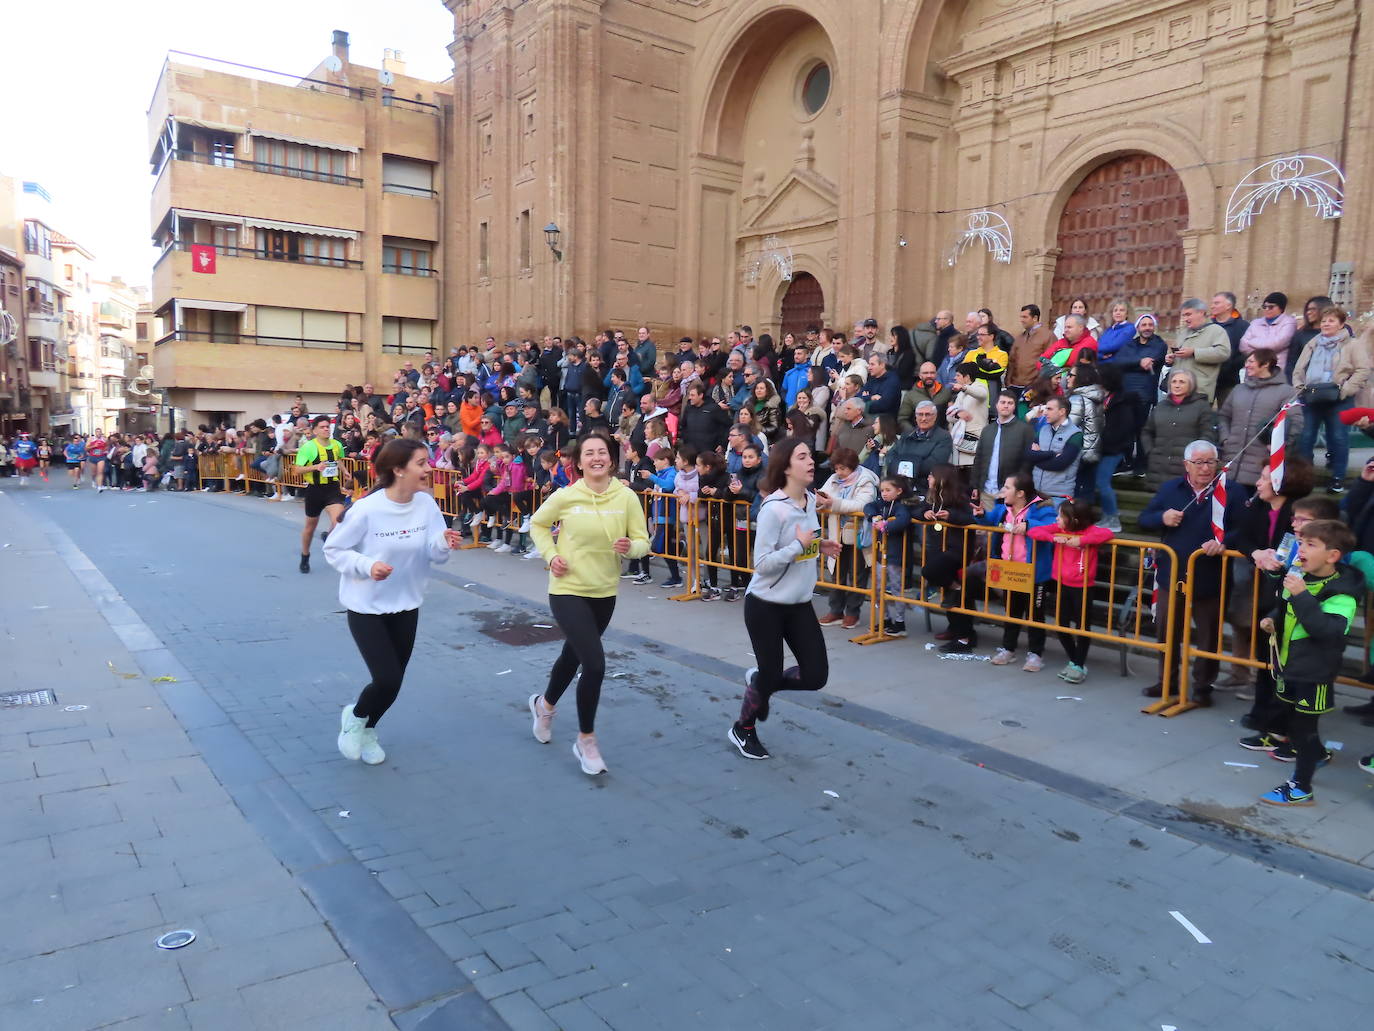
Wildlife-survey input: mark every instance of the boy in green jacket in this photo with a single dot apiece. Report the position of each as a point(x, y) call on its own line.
point(1316, 610)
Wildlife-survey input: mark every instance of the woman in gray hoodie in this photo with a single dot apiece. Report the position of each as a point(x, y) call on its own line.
point(777, 602)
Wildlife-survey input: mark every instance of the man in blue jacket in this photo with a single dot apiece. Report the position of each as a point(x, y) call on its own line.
point(882, 391)
point(1181, 512)
point(795, 379)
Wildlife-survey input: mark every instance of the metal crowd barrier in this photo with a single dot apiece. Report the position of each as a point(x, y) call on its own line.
point(1119, 608)
point(1249, 641)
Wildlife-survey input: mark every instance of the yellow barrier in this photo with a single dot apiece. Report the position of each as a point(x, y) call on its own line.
point(1214, 618)
point(950, 553)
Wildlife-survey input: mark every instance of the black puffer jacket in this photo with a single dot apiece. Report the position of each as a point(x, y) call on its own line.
point(1170, 429)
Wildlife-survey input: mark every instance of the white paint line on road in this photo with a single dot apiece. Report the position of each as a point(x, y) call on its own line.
point(1202, 939)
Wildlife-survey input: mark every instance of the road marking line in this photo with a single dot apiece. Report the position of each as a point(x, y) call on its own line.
point(1188, 926)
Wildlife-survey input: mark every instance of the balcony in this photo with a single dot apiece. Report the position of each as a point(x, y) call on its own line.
point(410, 296)
point(412, 215)
point(236, 187)
point(114, 404)
point(46, 327)
point(44, 379)
point(189, 360)
point(247, 276)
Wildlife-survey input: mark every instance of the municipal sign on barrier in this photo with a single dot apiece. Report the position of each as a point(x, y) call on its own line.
point(1011, 576)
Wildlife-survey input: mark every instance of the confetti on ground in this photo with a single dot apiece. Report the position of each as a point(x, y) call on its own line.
point(345, 813)
point(620, 674)
point(37, 608)
point(504, 672)
point(1188, 926)
point(1246, 766)
point(1067, 698)
point(118, 673)
point(832, 794)
point(543, 626)
point(1335, 746)
point(469, 585)
point(164, 680)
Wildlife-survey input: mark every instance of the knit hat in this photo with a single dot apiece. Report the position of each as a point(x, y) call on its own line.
point(1146, 315)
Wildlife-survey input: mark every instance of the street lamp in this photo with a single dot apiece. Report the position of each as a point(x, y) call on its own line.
point(551, 235)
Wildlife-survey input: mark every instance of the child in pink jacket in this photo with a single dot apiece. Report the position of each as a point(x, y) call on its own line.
point(1076, 542)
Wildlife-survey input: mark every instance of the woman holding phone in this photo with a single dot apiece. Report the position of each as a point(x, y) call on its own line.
point(600, 521)
point(383, 550)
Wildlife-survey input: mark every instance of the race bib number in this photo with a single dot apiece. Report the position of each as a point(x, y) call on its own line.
point(810, 552)
point(331, 469)
point(906, 469)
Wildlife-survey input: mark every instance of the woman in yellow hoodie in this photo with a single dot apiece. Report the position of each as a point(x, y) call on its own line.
point(600, 521)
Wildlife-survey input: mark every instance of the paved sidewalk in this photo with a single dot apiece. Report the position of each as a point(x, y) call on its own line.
point(858, 879)
point(113, 830)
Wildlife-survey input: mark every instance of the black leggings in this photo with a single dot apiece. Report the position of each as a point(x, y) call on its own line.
point(385, 641)
point(583, 621)
point(769, 625)
point(1071, 613)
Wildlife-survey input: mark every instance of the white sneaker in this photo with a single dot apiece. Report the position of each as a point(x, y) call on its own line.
point(504, 548)
point(590, 757)
point(1003, 657)
point(1034, 664)
point(525, 525)
point(279, 496)
point(141, 490)
point(372, 753)
point(531, 554)
point(1112, 523)
point(351, 733)
point(543, 720)
point(238, 477)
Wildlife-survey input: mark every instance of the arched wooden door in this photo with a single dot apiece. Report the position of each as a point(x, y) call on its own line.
point(802, 304)
point(1119, 237)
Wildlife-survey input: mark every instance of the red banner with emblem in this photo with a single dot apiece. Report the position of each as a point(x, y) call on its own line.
point(203, 258)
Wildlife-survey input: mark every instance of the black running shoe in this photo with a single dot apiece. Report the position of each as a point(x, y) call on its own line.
point(305, 563)
point(748, 743)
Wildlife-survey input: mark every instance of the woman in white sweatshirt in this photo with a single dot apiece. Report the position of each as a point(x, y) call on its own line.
point(777, 602)
point(382, 550)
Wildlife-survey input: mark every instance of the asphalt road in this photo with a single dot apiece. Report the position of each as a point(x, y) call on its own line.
point(856, 880)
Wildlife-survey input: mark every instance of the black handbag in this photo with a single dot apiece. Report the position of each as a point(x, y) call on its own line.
point(1321, 394)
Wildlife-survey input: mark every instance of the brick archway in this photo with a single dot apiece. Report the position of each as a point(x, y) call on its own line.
point(802, 305)
point(1119, 237)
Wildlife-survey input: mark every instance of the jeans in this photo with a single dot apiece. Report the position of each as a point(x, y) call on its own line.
point(1106, 497)
point(1337, 434)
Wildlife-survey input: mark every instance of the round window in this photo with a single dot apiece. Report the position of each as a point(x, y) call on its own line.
point(816, 88)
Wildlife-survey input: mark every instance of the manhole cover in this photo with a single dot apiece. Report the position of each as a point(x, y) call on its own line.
point(523, 634)
point(176, 939)
point(18, 698)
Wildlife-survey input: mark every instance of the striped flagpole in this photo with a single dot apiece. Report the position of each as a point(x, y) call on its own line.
point(1276, 449)
point(1219, 508)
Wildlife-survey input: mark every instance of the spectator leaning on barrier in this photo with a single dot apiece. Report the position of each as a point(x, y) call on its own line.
point(1181, 512)
point(1055, 452)
point(1202, 348)
point(919, 451)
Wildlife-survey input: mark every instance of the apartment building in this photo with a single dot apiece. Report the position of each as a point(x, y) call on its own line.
point(43, 395)
point(78, 356)
point(13, 338)
point(299, 223)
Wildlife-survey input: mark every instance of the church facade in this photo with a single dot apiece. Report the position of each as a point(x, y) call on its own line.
point(711, 163)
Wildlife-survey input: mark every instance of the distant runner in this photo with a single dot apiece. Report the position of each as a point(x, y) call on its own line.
point(319, 457)
point(75, 455)
point(25, 457)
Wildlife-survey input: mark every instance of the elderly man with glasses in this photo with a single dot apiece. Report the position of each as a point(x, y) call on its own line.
point(1181, 513)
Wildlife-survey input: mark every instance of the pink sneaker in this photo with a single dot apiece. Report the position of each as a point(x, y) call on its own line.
point(543, 719)
point(589, 756)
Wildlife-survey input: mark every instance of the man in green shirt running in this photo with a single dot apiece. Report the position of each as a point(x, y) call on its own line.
point(320, 459)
